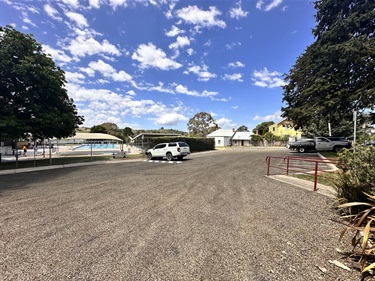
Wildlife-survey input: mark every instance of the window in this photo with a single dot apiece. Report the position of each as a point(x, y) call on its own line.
point(183, 144)
point(172, 144)
point(162, 145)
point(218, 141)
point(273, 129)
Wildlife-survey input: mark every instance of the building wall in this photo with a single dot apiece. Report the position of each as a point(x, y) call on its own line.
point(241, 142)
point(285, 129)
point(222, 141)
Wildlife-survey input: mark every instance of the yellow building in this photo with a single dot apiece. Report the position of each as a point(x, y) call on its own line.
point(285, 128)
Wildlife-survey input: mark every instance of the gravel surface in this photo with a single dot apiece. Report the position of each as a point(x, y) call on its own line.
point(214, 216)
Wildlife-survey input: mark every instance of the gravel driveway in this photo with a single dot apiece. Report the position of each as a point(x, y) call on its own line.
point(214, 216)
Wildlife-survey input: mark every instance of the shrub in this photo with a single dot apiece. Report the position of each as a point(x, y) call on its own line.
point(357, 173)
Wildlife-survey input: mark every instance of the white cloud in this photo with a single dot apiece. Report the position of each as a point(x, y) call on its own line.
point(259, 4)
point(94, 4)
point(183, 90)
point(272, 5)
point(79, 19)
point(264, 78)
point(232, 45)
point(108, 71)
point(57, 55)
point(237, 12)
point(150, 87)
point(74, 77)
point(174, 31)
point(200, 18)
point(82, 46)
point(102, 105)
point(233, 77)
point(273, 117)
point(225, 123)
point(170, 119)
point(269, 6)
point(150, 56)
point(52, 12)
point(190, 51)
point(118, 3)
point(202, 72)
point(72, 3)
point(180, 42)
point(236, 64)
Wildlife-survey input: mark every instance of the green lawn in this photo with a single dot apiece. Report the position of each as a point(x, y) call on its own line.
point(326, 179)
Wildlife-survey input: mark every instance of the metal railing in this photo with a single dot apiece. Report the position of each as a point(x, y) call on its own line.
point(302, 165)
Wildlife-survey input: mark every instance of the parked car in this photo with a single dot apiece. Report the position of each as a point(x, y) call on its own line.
point(320, 144)
point(169, 150)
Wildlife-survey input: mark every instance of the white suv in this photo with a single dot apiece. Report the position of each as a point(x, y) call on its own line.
point(169, 150)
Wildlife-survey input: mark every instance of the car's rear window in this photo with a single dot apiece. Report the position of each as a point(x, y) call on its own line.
point(183, 144)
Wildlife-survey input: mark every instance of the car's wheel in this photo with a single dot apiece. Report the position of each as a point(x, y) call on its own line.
point(149, 156)
point(169, 156)
point(180, 157)
point(337, 149)
point(301, 149)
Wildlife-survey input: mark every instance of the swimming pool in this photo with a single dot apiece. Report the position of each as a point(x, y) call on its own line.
point(96, 146)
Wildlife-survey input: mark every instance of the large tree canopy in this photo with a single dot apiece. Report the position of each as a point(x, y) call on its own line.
point(263, 127)
point(32, 94)
point(335, 75)
point(202, 124)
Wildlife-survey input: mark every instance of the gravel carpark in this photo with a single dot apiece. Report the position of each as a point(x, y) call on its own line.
point(211, 216)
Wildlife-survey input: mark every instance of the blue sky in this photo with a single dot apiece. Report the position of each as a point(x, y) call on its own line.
point(149, 64)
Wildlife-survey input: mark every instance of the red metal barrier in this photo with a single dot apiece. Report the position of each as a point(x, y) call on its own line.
point(300, 165)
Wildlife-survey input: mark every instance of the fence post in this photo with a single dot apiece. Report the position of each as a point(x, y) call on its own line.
point(287, 166)
point(316, 175)
point(268, 165)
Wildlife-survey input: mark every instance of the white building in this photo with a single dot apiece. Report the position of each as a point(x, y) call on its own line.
point(222, 137)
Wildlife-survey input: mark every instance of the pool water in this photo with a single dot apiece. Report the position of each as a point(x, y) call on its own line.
point(96, 146)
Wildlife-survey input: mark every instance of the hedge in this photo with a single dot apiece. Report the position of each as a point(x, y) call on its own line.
point(196, 144)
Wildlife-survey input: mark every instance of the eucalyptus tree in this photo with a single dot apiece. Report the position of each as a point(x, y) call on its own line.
point(202, 124)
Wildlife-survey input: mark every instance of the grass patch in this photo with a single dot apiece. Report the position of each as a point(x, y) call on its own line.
point(329, 154)
point(325, 179)
point(29, 163)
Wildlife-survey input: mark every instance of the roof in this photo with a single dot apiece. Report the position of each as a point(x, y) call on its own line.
point(221, 133)
point(242, 136)
point(94, 136)
point(150, 135)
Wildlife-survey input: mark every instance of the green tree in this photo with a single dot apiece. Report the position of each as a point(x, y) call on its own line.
point(111, 128)
point(335, 75)
point(32, 94)
point(202, 124)
point(127, 132)
point(263, 127)
point(243, 129)
point(98, 129)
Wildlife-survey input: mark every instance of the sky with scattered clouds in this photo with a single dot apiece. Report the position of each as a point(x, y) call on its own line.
point(148, 64)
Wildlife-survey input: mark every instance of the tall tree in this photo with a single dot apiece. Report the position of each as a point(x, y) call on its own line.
point(98, 129)
point(263, 127)
point(127, 132)
point(202, 124)
point(32, 94)
point(243, 129)
point(335, 75)
point(111, 128)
